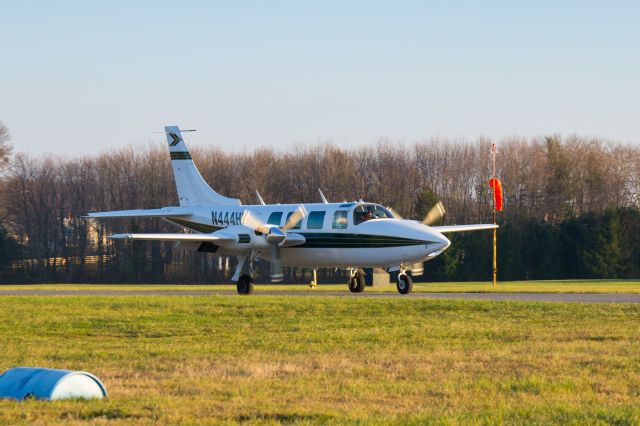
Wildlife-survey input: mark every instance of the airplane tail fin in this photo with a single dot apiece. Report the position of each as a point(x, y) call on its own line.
point(192, 188)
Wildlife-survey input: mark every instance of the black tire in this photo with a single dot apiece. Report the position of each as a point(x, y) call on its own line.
point(356, 283)
point(245, 285)
point(405, 284)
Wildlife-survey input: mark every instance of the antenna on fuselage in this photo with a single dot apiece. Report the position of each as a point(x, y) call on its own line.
point(260, 198)
point(324, 199)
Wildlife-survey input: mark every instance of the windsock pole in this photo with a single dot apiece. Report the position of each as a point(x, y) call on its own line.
point(494, 151)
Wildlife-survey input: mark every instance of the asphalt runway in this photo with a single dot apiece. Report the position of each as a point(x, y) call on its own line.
point(523, 297)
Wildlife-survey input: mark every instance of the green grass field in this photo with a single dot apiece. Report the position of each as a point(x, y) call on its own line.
point(325, 360)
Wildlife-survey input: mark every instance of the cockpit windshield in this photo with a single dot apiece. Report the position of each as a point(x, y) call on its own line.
point(364, 212)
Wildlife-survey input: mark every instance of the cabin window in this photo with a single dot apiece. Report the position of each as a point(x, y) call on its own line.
point(315, 220)
point(297, 225)
point(365, 212)
point(340, 219)
point(275, 218)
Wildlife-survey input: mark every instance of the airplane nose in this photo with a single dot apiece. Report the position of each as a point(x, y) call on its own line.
point(444, 241)
point(434, 242)
point(440, 240)
point(437, 243)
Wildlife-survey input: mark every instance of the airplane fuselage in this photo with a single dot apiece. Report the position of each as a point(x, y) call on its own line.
point(335, 235)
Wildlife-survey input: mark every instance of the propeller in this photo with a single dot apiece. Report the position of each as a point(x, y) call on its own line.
point(395, 213)
point(435, 214)
point(275, 236)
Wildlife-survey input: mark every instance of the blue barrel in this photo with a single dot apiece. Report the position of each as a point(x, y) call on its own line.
point(45, 383)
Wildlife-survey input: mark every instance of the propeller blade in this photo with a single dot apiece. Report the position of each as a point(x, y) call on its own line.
point(435, 214)
point(277, 273)
point(296, 217)
point(251, 221)
point(395, 213)
point(417, 269)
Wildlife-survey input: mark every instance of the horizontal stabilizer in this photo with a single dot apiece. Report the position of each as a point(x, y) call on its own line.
point(463, 228)
point(175, 237)
point(164, 212)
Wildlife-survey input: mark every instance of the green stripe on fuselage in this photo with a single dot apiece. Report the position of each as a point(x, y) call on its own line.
point(344, 240)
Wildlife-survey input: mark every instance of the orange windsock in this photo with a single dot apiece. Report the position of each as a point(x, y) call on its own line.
point(496, 185)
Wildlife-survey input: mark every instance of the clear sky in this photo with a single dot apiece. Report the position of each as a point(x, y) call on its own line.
point(84, 76)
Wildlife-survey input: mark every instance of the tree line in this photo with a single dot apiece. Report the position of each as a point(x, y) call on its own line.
point(571, 206)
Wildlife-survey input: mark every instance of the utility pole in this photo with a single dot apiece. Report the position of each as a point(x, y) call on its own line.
point(494, 151)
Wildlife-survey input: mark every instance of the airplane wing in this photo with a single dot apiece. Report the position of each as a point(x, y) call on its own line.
point(463, 228)
point(164, 212)
point(175, 237)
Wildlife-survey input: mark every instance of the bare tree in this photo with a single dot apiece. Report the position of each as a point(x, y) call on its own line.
point(546, 180)
point(5, 147)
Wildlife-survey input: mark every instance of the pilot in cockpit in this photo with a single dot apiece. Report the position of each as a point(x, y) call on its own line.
point(365, 212)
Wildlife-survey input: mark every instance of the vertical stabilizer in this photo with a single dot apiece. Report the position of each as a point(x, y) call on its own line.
point(192, 189)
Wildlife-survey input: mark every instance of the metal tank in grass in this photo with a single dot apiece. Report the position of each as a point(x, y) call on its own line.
point(48, 384)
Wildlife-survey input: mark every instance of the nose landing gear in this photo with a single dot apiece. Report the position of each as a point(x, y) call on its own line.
point(405, 283)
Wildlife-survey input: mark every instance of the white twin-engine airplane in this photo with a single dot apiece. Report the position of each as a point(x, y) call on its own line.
point(351, 235)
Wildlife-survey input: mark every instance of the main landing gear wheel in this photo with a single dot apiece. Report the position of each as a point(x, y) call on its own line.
point(245, 284)
point(405, 284)
point(356, 283)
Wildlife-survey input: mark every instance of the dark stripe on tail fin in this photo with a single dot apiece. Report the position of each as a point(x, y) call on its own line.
point(180, 155)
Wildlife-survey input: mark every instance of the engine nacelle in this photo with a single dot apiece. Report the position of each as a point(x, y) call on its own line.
point(237, 238)
point(242, 238)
